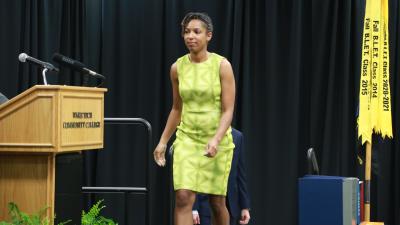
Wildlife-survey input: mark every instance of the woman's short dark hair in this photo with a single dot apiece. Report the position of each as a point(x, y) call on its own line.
point(197, 16)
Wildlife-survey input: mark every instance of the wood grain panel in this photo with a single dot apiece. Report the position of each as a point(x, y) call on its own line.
point(28, 181)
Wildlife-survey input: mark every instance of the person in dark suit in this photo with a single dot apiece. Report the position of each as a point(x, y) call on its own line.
point(238, 200)
point(3, 98)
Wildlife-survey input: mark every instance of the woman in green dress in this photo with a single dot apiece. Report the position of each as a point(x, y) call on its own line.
point(203, 102)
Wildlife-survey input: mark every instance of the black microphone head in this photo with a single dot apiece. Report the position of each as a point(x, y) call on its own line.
point(22, 57)
point(75, 65)
point(64, 60)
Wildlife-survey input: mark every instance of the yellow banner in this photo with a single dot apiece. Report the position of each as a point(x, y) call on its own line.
point(374, 108)
point(385, 118)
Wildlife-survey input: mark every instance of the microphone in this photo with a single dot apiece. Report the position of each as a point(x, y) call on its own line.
point(75, 65)
point(312, 162)
point(23, 57)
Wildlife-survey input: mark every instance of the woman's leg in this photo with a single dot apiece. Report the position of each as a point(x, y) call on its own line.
point(219, 211)
point(184, 200)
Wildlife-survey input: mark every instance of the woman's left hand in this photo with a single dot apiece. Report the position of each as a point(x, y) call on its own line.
point(212, 148)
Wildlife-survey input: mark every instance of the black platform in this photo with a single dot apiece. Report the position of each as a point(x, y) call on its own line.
point(68, 194)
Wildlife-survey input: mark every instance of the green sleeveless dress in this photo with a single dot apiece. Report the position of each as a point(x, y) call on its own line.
point(200, 91)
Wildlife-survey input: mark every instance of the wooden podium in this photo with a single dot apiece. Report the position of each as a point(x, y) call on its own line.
point(35, 126)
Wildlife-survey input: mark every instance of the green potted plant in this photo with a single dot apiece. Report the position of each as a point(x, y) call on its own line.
point(93, 216)
point(21, 218)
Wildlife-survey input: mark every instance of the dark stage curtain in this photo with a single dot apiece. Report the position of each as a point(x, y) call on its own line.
point(296, 65)
point(39, 28)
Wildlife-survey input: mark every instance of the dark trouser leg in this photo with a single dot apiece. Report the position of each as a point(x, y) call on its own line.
point(205, 220)
point(234, 221)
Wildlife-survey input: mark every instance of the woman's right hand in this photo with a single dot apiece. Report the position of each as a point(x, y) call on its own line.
point(159, 154)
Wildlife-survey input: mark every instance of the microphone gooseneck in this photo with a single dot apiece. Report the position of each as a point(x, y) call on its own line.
point(23, 57)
